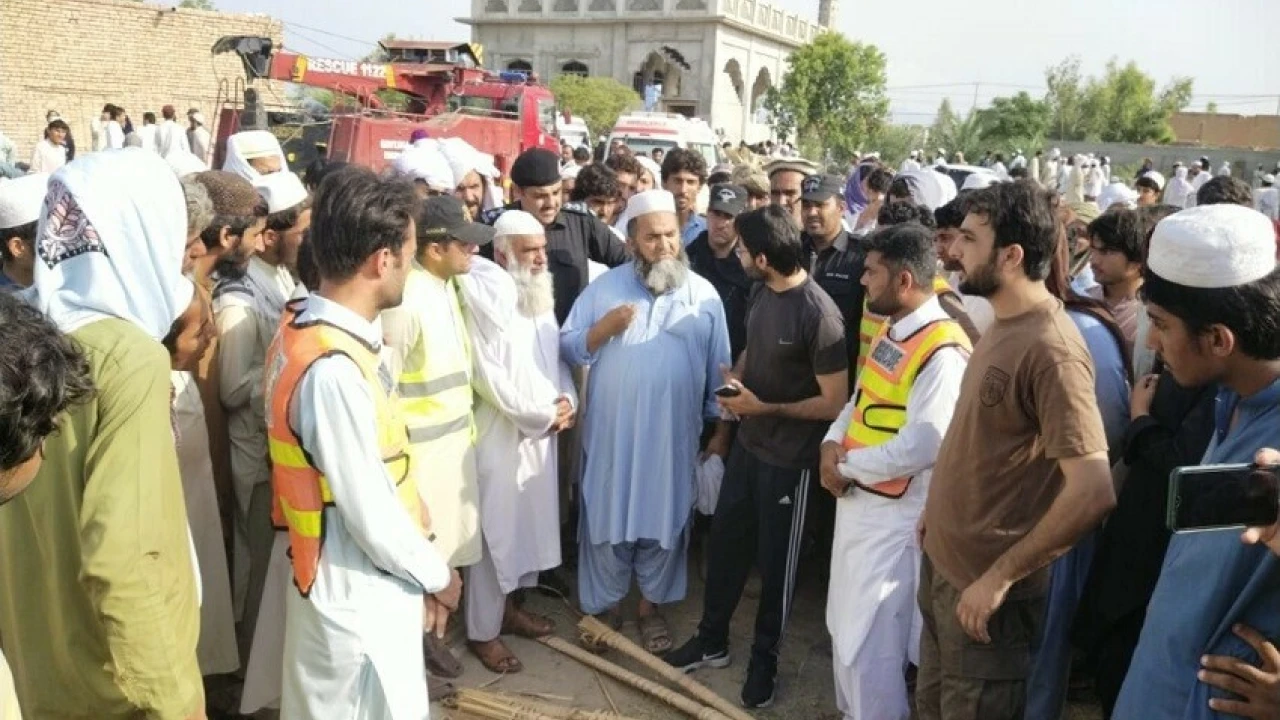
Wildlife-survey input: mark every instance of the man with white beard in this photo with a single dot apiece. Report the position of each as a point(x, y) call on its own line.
point(520, 406)
point(655, 337)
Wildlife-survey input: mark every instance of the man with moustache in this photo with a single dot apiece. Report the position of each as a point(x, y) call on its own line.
point(832, 256)
point(684, 172)
point(520, 406)
point(786, 175)
point(574, 236)
point(876, 461)
point(247, 311)
point(713, 255)
point(1021, 476)
point(654, 335)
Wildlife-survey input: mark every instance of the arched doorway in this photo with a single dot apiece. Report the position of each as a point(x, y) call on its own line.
point(520, 66)
point(573, 67)
point(758, 90)
point(659, 77)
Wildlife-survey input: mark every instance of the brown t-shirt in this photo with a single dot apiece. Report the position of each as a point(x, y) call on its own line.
point(1026, 401)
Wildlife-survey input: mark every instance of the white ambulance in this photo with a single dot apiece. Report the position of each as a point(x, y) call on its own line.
point(645, 132)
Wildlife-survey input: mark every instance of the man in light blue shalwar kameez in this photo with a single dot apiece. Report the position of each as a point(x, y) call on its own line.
point(655, 337)
point(1212, 267)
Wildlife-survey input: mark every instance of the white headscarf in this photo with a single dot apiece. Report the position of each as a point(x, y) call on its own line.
point(930, 187)
point(1117, 193)
point(110, 243)
point(245, 146)
point(184, 163)
point(425, 162)
point(654, 169)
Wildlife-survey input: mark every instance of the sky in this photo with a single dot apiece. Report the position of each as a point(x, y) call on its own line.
point(965, 51)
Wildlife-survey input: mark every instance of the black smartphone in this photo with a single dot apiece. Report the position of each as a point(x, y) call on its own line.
point(728, 391)
point(1210, 497)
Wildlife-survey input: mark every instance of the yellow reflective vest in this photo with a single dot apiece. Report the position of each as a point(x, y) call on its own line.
point(884, 385)
point(436, 400)
point(872, 323)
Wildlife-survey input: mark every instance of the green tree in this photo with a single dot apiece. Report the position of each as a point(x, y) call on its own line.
point(833, 96)
point(1121, 106)
point(1211, 108)
point(954, 134)
point(895, 142)
point(1066, 100)
point(599, 101)
point(1019, 120)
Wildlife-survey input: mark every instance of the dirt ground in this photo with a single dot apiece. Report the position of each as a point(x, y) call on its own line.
point(805, 687)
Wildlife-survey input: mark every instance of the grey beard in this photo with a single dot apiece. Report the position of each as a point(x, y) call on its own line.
point(665, 275)
point(535, 294)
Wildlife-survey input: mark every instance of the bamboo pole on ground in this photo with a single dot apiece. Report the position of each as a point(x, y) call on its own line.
point(596, 632)
point(496, 706)
point(675, 700)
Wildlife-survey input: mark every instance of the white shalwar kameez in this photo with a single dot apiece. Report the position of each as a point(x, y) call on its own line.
point(353, 647)
point(515, 451)
point(871, 604)
point(216, 650)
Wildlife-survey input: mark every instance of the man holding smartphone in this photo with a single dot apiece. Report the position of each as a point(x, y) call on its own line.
point(791, 383)
point(1213, 292)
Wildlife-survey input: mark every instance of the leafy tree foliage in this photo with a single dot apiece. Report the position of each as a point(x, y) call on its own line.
point(1123, 105)
point(832, 98)
point(599, 101)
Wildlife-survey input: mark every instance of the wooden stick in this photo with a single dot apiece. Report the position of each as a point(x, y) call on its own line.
point(597, 633)
point(605, 690)
point(509, 707)
point(675, 700)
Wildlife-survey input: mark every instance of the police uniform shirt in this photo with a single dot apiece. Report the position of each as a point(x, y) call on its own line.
point(733, 286)
point(838, 271)
point(573, 238)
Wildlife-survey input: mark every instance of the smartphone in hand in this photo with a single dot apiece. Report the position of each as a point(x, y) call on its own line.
point(1212, 497)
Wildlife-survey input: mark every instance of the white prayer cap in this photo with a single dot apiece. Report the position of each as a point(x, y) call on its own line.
point(979, 180)
point(517, 222)
point(281, 190)
point(571, 172)
point(1155, 177)
point(425, 163)
point(184, 163)
point(646, 203)
point(1055, 153)
point(1213, 246)
point(198, 117)
point(1269, 179)
point(21, 200)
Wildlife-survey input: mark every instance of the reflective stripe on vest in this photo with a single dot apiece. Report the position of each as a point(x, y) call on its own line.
point(884, 384)
point(300, 492)
point(871, 323)
point(435, 384)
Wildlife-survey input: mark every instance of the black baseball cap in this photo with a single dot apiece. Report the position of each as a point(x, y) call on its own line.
point(443, 217)
point(728, 199)
point(820, 188)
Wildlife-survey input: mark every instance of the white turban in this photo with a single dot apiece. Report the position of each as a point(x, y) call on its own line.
point(463, 158)
point(1117, 193)
point(281, 191)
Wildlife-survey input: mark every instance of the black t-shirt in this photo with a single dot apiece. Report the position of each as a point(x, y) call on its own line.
point(792, 337)
point(838, 271)
point(731, 283)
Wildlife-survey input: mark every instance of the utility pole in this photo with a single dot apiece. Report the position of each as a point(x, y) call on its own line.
point(975, 96)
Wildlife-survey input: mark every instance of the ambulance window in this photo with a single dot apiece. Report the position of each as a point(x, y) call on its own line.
point(707, 151)
point(547, 115)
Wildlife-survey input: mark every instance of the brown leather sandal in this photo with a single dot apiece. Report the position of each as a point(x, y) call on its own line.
point(496, 656)
point(527, 625)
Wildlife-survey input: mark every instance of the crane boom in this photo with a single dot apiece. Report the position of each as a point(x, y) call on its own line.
point(428, 83)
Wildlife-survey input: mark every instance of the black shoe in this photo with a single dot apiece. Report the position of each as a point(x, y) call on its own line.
point(695, 654)
point(757, 692)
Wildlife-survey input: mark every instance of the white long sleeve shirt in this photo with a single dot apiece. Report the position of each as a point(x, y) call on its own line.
point(170, 137)
point(368, 533)
point(930, 405)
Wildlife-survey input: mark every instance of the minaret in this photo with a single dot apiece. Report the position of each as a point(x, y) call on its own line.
point(829, 14)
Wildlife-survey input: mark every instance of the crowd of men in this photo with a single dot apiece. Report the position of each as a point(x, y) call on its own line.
point(969, 400)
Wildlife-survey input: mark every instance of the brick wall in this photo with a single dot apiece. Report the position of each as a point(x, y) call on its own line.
point(75, 56)
point(1239, 131)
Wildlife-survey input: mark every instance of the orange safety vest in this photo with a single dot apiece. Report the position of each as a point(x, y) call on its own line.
point(884, 385)
point(300, 492)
